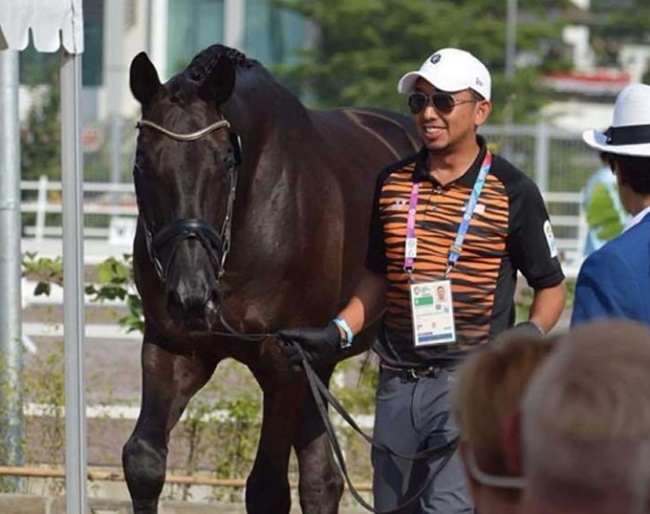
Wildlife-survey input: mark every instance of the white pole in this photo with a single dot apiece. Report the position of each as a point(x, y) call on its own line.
point(159, 22)
point(116, 77)
point(511, 52)
point(511, 40)
point(542, 143)
point(11, 366)
point(41, 209)
point(73, 286)
point(235, 22)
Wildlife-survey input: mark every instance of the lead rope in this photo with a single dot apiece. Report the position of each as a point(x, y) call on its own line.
point(240, 335)
point(320, 392)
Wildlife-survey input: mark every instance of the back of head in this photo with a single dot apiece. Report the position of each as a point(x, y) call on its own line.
point(488, 389)
point(586, 418)
point(627, 140)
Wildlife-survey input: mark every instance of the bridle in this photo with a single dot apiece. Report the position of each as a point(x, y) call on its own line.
point(192, 136)
point(216, 244)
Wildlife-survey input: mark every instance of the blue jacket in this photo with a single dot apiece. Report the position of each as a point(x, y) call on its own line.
point(614, 281)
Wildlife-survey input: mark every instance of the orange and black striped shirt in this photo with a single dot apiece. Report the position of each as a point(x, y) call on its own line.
point(509, 232)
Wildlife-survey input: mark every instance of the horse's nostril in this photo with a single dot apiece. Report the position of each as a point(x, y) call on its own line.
point(211, 307)
point(187, 304)
point(192, 305)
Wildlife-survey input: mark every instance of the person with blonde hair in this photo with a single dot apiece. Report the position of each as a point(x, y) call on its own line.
point(586, 423)
point(486, 397)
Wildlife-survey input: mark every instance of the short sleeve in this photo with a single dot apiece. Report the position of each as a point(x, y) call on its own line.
point(531, 242)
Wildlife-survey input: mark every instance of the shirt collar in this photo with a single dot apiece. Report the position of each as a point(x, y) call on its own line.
point(468, 178)
point(637, 218)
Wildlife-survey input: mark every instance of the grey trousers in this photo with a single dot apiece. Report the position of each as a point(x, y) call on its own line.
point(412, 415)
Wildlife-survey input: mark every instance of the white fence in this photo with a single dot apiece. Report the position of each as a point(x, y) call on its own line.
point(570, 227)
point(110, 212)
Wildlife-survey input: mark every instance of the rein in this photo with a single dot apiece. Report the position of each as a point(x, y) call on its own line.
point(217, 245)
point(323, 396)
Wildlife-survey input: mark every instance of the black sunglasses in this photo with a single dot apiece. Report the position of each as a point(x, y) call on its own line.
point(442, 102)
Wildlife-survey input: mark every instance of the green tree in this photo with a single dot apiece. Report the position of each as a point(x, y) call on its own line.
point(614, 23)
point(40, 137)
point(364, 46)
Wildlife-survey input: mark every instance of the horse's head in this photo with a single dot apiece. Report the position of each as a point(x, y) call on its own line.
point(185, 178)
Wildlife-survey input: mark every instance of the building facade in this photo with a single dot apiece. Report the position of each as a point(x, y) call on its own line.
point(171, 32)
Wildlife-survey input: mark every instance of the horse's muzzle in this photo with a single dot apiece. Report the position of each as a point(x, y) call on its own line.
point(194, 312)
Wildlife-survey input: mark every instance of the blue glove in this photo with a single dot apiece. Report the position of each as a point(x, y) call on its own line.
point(318, 344)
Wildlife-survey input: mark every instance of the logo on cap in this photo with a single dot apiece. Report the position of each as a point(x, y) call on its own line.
point(435, 58)
point(479, 82)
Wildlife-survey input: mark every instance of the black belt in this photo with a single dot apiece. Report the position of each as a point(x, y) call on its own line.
point(414, 373)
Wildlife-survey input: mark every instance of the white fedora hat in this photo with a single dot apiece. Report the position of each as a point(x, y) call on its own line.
point(629, 133)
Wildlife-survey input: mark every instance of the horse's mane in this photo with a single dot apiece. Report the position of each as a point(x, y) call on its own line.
point(201, 67)
point(203, 63)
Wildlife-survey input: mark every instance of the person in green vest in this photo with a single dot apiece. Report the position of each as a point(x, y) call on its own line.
point(605, 215)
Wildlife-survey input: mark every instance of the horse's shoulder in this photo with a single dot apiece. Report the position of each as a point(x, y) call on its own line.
point(399, 165)
point(366, 118)
point(377, 115)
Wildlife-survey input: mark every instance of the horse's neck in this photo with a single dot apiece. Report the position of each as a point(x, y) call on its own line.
point(269, 119)
point(259, 103)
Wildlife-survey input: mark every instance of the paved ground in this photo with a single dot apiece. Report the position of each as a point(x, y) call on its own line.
point(24, 504)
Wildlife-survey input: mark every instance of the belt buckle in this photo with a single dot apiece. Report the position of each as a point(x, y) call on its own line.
point(421, 373)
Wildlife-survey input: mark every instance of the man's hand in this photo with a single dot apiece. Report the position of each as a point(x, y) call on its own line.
point(528, 327)
point(318, 344)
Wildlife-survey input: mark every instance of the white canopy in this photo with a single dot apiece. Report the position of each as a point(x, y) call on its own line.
point(53, 23)
point(56, 24)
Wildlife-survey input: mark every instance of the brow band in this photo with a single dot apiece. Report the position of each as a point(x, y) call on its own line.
point(192, 136)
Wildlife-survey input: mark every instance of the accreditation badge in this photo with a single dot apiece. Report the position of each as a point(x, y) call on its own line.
point(432, 312)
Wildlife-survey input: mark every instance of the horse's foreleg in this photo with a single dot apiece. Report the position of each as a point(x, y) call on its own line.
point(168, 382)
point(267, 488)
point(321, 484)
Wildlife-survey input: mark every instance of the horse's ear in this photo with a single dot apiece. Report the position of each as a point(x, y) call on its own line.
point(217, 87)
point(143, 79)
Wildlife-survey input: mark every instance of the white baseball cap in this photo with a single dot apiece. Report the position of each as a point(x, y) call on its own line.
point(629, 133)
point(451, 69)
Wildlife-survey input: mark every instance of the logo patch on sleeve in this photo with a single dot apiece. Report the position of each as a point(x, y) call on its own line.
point(550, 238)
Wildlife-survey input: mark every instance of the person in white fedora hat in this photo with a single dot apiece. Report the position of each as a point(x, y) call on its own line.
point(614, 281)
point(453, 218)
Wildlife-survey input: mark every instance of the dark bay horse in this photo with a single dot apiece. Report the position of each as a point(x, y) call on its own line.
point(240, 240)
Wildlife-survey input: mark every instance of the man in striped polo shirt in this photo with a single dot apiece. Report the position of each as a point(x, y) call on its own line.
point(452, 221)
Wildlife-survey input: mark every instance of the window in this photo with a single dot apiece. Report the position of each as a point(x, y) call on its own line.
point(272, 35)
point(193, 26)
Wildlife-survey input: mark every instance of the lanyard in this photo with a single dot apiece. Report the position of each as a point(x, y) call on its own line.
point(410, 247)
